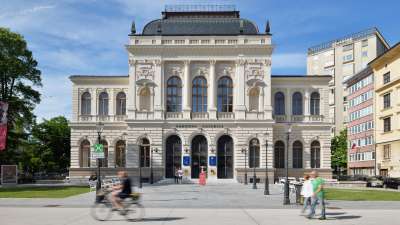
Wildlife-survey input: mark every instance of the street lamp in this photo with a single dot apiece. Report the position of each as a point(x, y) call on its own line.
point(266, 185)
point(254, 145)
point(245, 165)
point(151, 165)
point(99, 129)
point(286, 200)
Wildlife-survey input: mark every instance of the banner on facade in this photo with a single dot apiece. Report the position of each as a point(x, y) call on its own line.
point(3, 125)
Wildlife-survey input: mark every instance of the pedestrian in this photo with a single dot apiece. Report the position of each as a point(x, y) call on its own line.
point(176, 176)
point(318, 195)
point(306, 192)
point(180, 175)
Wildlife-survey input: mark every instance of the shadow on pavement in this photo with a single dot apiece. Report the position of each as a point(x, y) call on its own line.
point(160, 219)
point(349, 217)
point(335, 213)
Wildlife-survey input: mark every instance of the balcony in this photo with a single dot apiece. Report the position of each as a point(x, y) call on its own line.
point(104, 118)
point(226, 115)
point(254, 115)
point(199, 115)
point(279, 118)
point(144, 115)
point(316, 118)
point(297, 118)
point(173, 115)
point(85, 118)
point(120, 118)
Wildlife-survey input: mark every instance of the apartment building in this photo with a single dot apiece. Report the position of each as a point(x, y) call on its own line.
point(360, 127)
point(342, 58)
point(386, 69)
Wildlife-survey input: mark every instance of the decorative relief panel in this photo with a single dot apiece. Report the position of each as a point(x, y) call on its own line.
point(224, 69)
point(254, 70)
point(200, 69)
point(173, 69)
point(145, 71)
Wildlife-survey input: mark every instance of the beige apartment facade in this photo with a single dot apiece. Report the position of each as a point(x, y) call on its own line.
point(342, 58)
point(387, 111)
point(199, 94)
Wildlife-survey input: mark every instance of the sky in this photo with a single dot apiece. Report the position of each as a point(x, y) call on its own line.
point(87, 37)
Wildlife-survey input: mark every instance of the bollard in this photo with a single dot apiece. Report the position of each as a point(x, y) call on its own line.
point(298, 187)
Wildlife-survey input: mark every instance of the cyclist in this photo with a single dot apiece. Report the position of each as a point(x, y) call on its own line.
point(121, 191)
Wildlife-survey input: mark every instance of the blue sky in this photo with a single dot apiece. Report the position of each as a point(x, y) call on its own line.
point(88, 36)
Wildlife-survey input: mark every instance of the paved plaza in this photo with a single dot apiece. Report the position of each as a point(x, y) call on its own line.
point(222, 203)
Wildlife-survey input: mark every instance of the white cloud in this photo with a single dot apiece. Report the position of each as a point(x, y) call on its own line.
point(289, 60)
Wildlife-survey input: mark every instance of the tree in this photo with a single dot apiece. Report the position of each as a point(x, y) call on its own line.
point(51, 139)
point(339, 151)
point(18, 75)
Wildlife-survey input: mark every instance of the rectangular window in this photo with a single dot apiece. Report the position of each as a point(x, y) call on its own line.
point(386, 78)
point(348, 57)
point(364, 54)
point(364, 43)
point(387, 124)
point(386, 151)
point(348, 47)
point(386, 100)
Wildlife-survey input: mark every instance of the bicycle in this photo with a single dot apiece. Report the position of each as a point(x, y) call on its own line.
point(132, 209)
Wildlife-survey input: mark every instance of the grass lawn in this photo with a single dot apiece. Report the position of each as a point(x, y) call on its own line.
point(41, 192)
point(361, 195)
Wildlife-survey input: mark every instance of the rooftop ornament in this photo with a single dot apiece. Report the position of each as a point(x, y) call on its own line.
point(133, 28)
point(267, 28)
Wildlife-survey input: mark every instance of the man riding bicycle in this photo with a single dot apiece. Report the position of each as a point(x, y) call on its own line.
point(121, 191)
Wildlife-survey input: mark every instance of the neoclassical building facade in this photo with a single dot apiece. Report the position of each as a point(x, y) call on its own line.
point(200, 94)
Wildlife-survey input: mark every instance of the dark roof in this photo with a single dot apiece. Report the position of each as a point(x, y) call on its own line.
point(200, 21)
point(299, 75)
point(98, 76)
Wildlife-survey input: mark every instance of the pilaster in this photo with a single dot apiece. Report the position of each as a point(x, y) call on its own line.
point(186, 90)
point(240, 106)
point(131, 101)
point(158, 109)
point(212, 93)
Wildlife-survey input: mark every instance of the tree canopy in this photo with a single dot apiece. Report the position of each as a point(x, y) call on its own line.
point(19, 75)
point(339, 150)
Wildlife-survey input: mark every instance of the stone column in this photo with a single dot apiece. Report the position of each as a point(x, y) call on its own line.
point(307, 102)
point(93, 93)
point(186, 90)
point(111, 104)
point(131, 101)
point(288, 104)
point(267, 89)
point(212, 109)
point(240, 90)
point(158, 110)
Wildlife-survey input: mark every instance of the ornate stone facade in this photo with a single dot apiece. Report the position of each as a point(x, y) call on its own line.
point(201, 102)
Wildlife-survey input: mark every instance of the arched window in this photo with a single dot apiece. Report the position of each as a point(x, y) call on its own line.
point(144, 99)
point(279, 154)
point(314, 103)
point(297, 104)
point(120, 152)
point(174, 94)
point(104, 161)
point(121, 104)
point(199, 95)
point(86, 102)
point(254, 153)
point(297, 154)
point(225, 94)
point(315, 155)
point(254, 95)
point(84, 154)
point(145, 153)
point(103, 104)
point(279, 108)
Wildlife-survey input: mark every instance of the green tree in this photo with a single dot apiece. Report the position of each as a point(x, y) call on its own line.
point(339, 151)
point(51, 139)
point(18, 75)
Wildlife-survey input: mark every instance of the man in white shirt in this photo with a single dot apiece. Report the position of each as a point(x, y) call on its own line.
point(307, 192)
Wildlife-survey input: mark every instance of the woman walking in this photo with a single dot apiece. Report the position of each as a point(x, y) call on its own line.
point(307, 192)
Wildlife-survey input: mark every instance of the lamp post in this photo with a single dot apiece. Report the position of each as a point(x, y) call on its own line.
point(254, 145)
point(266, 185)
point(286, 200)
point(99, 128)
point(245, 165)
point(151, 165)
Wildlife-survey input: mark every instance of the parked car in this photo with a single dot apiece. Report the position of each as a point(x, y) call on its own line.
point(391, 183)
point(374, 182)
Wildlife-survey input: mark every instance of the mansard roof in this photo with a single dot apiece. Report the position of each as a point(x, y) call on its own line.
point(200, 21)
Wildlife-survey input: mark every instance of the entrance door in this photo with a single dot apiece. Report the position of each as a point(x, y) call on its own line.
point(225, 157)
point(199, 155)
point(173, 155)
